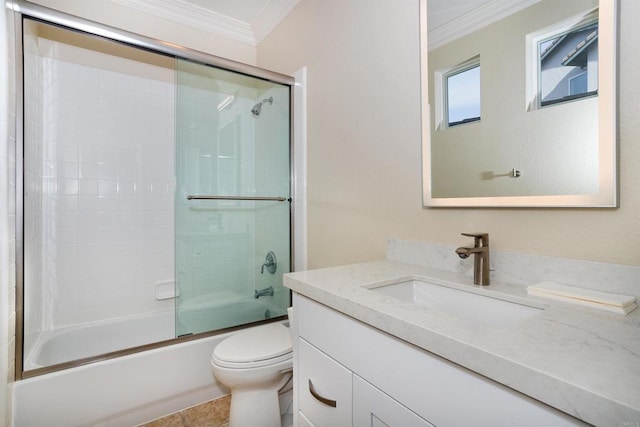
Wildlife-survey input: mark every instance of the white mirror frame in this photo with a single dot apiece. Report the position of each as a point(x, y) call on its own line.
point(607, 197)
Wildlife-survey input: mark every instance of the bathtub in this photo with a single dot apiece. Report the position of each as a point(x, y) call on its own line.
point(123, 391)
point(77, 342)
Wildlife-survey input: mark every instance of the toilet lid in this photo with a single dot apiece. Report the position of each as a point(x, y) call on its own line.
point(256, 344)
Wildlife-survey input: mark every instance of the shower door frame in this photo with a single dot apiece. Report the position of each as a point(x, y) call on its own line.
point(24, 10)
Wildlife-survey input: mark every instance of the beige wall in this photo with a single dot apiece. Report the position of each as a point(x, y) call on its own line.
point(115, 15)
point(364, 143)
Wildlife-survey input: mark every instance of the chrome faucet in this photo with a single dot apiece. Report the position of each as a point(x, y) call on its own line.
point(481, 261)
point(263, 292)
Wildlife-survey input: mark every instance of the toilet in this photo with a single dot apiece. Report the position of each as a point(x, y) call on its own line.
point(255, 364)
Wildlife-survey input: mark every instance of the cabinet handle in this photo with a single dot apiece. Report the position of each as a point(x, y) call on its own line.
point(324, 400)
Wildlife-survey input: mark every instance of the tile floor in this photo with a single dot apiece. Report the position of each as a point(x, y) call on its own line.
point(214, 413)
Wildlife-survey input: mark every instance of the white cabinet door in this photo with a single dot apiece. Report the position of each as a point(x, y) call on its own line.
point(303, 421)
point(324, 388)
point(373, 408)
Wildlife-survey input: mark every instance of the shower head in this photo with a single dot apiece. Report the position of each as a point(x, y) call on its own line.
point(258, 107)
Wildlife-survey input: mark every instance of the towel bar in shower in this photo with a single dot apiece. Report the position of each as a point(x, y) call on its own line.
point(272, 199)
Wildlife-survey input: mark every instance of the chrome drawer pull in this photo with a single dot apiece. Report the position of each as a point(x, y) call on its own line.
point(324, 400)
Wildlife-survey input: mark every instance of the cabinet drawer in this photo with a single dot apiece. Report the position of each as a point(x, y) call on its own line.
point(324, 387)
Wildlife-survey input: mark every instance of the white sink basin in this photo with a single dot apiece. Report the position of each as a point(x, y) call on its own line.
point(489, 310)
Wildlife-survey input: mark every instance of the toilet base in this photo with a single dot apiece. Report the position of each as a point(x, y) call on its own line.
point(257, 407)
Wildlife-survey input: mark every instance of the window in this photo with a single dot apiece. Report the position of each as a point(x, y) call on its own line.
point(568, 64)
point(463, 95)
point(457, 94)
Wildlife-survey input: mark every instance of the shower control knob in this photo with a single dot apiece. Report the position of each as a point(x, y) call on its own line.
point(270, 263)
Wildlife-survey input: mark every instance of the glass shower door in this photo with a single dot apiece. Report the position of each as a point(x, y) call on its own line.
point(232, 215)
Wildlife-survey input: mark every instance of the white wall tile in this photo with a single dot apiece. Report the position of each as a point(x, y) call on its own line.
point(102, 202)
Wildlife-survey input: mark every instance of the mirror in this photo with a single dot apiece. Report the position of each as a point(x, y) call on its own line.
point(519, 107)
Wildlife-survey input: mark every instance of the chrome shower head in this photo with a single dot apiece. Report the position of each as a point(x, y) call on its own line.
point(258, 107)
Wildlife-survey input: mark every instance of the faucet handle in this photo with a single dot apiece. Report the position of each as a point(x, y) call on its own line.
point(477, 235)
point(479, 238)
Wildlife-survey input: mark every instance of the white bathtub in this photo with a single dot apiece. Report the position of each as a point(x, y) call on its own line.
point(123, 391)
point(77, 342)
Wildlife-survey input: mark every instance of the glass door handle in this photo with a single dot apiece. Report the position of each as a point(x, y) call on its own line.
point(273, 199)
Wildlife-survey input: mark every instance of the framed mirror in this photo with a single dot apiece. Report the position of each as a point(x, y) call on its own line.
point(519, 103)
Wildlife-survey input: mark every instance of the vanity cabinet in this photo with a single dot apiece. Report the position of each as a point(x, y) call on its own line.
point(361, 376)
point(331, 395)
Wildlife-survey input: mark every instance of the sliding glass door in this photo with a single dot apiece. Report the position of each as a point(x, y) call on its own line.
point(232, 198)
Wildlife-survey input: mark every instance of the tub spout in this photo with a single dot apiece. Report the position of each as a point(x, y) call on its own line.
point(263, 292)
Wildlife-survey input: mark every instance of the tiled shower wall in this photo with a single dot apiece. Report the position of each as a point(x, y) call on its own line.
point(103, 200)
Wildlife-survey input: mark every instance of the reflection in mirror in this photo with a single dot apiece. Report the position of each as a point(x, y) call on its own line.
point(544, 129)
point(463, 95)
point(568, 65)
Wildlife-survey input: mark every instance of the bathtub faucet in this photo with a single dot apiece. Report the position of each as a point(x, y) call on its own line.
point(263, 292)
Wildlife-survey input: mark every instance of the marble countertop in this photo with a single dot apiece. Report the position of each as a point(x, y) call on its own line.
point(582, 361)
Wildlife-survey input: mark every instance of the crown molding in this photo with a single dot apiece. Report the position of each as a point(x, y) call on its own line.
point(195, 17)
point(207, 20)
point(475, 19)
point(270, 17)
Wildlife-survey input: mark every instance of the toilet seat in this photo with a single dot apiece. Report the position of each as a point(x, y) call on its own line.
point(256, 347)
